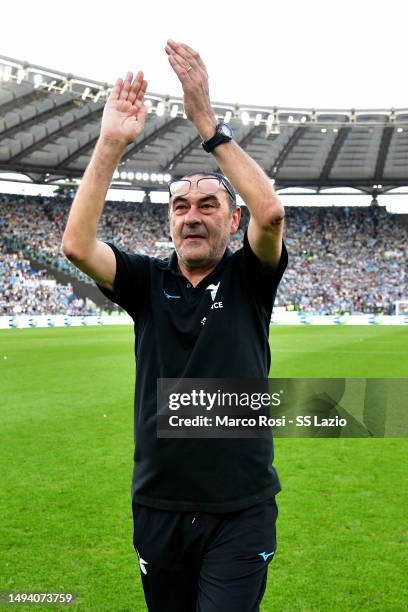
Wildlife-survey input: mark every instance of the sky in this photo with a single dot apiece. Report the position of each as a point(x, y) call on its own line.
point(315, 53)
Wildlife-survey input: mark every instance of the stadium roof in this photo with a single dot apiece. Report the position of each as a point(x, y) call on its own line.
point(49, 124)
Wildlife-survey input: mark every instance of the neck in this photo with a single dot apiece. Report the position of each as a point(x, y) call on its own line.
point(195, 275)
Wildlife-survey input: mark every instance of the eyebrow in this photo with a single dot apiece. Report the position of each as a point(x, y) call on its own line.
point(205, 198)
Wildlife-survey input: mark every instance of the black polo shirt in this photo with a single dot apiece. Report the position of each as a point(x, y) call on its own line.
point(180, 335)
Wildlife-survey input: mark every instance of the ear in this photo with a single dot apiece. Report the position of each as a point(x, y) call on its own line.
point(236, 218)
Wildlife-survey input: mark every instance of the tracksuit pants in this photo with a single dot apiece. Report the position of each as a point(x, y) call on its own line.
point(204, 562)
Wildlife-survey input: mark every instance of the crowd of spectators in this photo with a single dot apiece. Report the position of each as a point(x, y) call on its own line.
point(29, 292)
point(341, 259)
point(345, 259)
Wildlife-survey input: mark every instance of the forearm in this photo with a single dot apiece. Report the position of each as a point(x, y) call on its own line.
point(248, 179)
point(251, 182)
point(81, 230)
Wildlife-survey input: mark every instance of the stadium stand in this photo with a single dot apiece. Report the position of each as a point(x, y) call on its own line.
point(49, 124)
point(342, 259)
point(29, 292)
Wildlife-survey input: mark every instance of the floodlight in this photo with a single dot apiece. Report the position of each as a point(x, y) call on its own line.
point(399, 130)
point(20, 75)
point(138, 176)
point(65, 86)
point(123, 175)
point(7, 73)
point(227, 117)
point(145, 176)
point(258, 118)
point(167, 177)
point(160, 178)
point(153, 177)
point(160, 109)
point(38, 79)
point(174, 110)
point(273, 123)
point(131, 175)
point(323, 130)
point(116, 174)
point(245, 117)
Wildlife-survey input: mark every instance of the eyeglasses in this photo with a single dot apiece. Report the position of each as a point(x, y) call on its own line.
point(208, 185)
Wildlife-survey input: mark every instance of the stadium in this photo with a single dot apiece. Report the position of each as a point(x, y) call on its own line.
point(66, 351)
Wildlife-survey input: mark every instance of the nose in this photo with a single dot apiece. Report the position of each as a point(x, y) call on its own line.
point(192, 216)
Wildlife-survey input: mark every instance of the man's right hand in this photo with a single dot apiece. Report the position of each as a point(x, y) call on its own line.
point(124, 114)
point(123, 121)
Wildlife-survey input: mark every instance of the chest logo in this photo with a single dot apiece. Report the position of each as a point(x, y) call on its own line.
point(213, 289)
point(171, 297)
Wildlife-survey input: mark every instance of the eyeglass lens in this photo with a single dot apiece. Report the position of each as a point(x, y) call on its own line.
point(208, 186)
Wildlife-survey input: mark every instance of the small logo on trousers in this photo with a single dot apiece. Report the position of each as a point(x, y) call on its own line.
point(266, 555)
point(142, 563)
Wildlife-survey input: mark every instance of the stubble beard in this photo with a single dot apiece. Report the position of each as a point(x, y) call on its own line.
point(213, 256)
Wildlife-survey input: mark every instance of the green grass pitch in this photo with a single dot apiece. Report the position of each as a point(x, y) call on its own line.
point(66, 462)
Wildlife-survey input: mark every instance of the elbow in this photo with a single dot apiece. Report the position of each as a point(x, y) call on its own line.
point(278, 217)
point(274, 215)
point(70, 250)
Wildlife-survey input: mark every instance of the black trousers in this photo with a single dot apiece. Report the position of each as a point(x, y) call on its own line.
point(204, 562)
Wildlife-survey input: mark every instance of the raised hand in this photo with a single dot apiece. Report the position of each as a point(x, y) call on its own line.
point(124, 114)
point(192, 73)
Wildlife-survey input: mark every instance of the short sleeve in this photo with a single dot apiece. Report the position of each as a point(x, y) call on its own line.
point(262, 281)
point(131, 287)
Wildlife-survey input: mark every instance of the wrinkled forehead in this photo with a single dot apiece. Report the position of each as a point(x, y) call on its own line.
point(195, 177)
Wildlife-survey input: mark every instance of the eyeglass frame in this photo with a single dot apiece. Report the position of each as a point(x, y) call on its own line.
point(221, 181)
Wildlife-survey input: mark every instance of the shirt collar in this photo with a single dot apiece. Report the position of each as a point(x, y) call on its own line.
point(171, 263)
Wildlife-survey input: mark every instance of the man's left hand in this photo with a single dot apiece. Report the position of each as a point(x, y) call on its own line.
point(192, 73)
